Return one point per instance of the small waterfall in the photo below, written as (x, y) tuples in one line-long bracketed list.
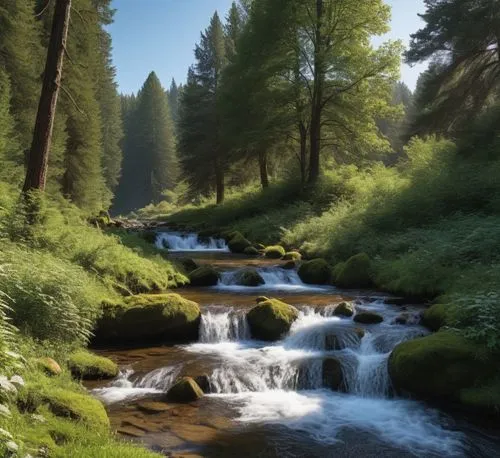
[(223, 327), (176, 241), (159, 379)]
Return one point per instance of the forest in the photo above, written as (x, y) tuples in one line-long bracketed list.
[(292, 139)]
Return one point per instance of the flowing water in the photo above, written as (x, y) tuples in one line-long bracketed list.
[(270, 399)]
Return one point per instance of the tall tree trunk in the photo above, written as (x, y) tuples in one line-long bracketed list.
[(219, 183), (303, 153), (317, 99), (264, 179), (36, 172)]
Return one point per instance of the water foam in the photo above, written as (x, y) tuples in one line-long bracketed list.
[(176, 241)]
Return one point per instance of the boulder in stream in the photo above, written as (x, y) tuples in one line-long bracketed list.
[(238, 243), (435, 316), (251, 251), (249, 277), (187, 264), (292, 256), (448, 366), (274, 252), (147, 318), (333, 377), (289, 265), (317, 272), (366, 317), (184, 390), (271, 319), (344, 309), (204, 276), (203, 382), (354, 273)]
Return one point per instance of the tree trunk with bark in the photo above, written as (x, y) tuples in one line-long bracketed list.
[(36, 172), (264, 178), (219, 184), (317, 98)]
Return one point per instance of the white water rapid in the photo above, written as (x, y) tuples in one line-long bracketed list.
[(177, 241)]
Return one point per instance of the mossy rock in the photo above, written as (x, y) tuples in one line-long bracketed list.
[(271, 319), (203, 381), (49, 366), (249, 277), (333, 376), (187, 264), (204, 276), (184, 390), (261, 299), (251, 251), (88, 366), (344, 309), (289, 265), (354, 273), (447, 366), (274, 252), (67, 404), (435, 316), (147, 318), (366, 317), (292, 256), (238, 243), (315, 272)]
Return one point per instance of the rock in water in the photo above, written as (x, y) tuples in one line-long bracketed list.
[(238, 243), (184, 390), (316, 272), (354, 273), (274, 252), (344, 309), (249, 277), (149, 318), (271, 319), (204, 276), (366, 317), (332, 374)]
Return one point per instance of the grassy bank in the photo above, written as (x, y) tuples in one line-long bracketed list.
[(56, 276), (430, 225)]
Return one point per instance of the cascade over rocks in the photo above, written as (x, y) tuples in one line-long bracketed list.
[(204, 276), (447, 366), (333, 377), (271, 319), (149, 318), (317, 272), (184, 390)]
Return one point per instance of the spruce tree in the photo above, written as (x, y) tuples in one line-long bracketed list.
[(173, 101), (10, 169)]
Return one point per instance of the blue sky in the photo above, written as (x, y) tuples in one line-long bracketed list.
[(160, 35)]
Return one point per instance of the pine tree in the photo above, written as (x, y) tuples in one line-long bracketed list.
[(173, 101), (10, 169), (201, 144)]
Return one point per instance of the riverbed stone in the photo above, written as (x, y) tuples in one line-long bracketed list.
[(271, 319), (366, 317), (184, 390), (333, 377), (354, 273), (204, 276), (153, 407), (238, 243), (292, 256), (249, 277), (203, 382), (89, 366), (317, 271), (345, 309), (274, 252), (448, 366), (147, 318), (435, 317)]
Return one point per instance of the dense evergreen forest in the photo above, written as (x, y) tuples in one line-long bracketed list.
[(292, 133)]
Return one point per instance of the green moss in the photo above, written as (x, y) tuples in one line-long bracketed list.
[(354, 273), (485, 398), (86, 365), (292, 256), (274, 252), (444, 365), (435, 316), (238, 243), (271, 319), (204, 276), (49, 366), (316, 271), (149, 317), (344, 309), (249, 277), (184, 390)]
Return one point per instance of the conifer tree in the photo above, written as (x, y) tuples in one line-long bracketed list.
[(10, 169), (173, 101)]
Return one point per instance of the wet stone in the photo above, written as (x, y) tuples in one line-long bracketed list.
[(152, 407), (131, 431)]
